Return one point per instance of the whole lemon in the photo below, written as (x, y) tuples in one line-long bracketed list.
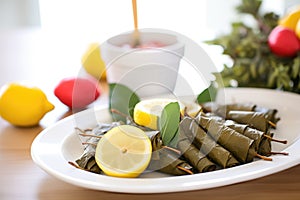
[(93, 63), (298, 29), (291, 18), (23, 106)]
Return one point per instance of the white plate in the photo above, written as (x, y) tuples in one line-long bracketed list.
[(58, 144)]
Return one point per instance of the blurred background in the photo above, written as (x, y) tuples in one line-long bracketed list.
[(39, 38), (193, 18)]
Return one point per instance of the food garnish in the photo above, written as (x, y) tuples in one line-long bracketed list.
[(124, 151)]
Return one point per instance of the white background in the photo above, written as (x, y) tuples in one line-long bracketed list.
[(49, 37), (100, 19)]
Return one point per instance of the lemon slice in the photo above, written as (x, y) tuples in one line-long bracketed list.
[(147, 112), (124, 151)]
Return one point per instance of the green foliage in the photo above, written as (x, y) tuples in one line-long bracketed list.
[(254, 65), (249, 6)]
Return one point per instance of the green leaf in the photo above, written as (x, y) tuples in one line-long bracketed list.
[(253, 70), (122, 99), (272, 78), (169, 124), (296, 67), (250, 7), (270, 20), (209, 94)]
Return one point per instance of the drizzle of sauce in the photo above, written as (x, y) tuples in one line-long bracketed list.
[(135, 17), (136, 35)]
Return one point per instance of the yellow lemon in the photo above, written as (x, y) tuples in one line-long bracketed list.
[(93, 63), (23, 106), (298, 29), (291, 19), (124, 151), (147, 112)]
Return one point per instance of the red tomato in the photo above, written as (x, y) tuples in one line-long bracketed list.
[(283, 42), (77, 92)]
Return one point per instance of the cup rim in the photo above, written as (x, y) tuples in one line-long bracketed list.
[(170, 47)]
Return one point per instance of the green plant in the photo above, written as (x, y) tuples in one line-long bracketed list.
[(254, 65)]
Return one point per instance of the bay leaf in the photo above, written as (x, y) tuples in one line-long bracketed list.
[(122, 99), (169, 123), (207, 95)]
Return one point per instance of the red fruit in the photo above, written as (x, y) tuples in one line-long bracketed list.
[(77, 92), (283, 42)]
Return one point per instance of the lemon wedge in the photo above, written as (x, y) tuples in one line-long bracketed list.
[(124, 151), (147, 112)]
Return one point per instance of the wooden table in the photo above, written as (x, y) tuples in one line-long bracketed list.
[(20, 178)]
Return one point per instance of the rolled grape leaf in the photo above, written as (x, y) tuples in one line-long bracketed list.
[(262, 140), (157, 144), (270, 114), (193, 155), (206, 144), (122, 99), (251, 133), (222, 110), (165, 160), (169, 163), (255, 120), (242, 147), (87, 161), (265, 146)]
